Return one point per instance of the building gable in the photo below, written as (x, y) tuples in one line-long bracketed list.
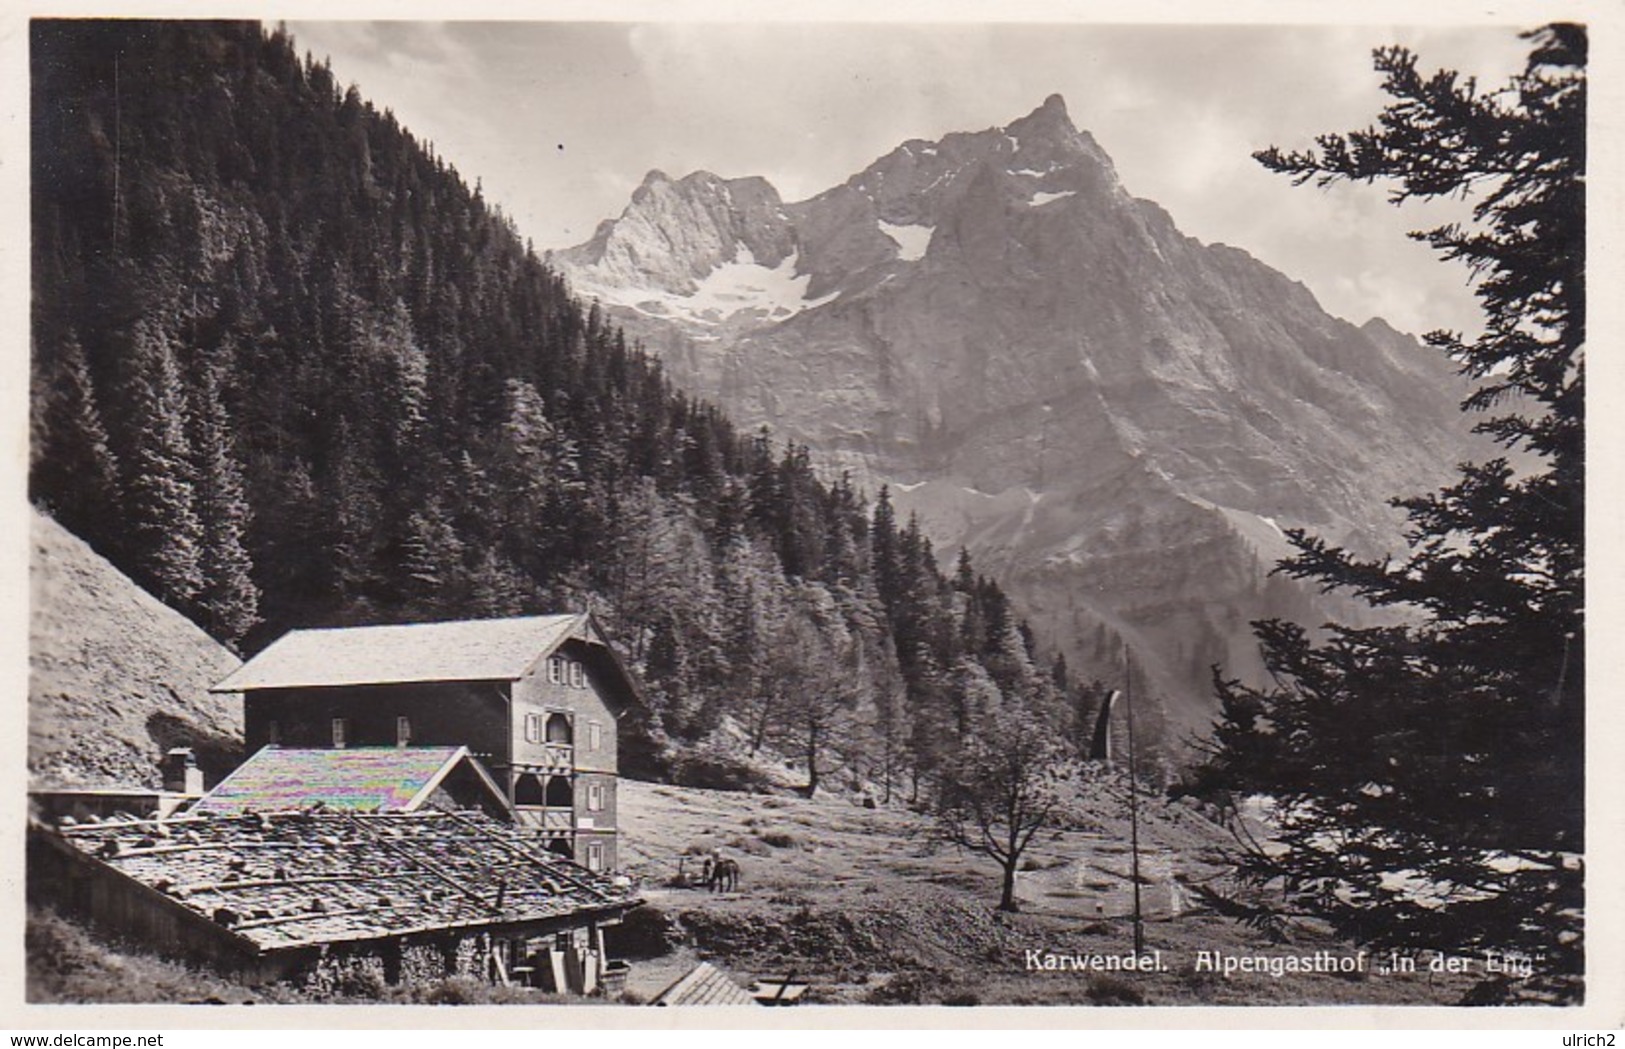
[(363, 779)]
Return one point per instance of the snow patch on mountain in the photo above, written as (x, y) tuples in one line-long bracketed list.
[(732, 288), (1039, 199), (911, 241)]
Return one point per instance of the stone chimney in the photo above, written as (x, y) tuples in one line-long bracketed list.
[(181, 774)]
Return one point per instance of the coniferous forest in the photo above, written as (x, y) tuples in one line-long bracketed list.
[(289, 369)]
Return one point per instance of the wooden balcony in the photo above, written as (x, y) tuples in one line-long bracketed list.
[(553, 759), (549, 818)]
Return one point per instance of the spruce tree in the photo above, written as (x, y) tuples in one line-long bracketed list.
[(228, 603), (165, 530), (1426, 777), (75, 472)]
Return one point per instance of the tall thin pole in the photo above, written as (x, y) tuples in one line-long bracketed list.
[(1133, 807), (118, 149)]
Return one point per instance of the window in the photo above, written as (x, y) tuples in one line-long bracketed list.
[(595, 857), (578, 675), (555, 669), (273, 733), (403, 731), (595, 735), (595, 797), (341, 732), (533, 728)]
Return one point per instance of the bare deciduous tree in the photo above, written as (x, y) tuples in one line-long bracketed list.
[(1001, 787)]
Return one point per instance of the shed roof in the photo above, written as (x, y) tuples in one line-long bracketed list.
[(361, 779), (298, 879), (704, 984), (460, 650)]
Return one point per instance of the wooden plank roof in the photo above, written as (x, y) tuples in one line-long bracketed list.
[(298, 879), (358, 779), (461, 650), (704, 984)]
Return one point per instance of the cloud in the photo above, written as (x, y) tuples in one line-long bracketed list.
[(1180, 109)]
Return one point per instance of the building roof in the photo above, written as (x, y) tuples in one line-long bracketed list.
[(299, 879), (462, 650), (704, 984), (360, 779)]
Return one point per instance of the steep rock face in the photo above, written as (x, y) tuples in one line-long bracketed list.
[(1117, 419)]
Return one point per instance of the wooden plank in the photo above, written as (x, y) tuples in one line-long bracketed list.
[(111, 824), (555, 963), (306, 916), (502, 970), (202, 846), (222, 887)]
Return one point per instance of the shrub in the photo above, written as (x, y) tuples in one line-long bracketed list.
[(715, 771), (1114, 990), (645, 932), (748, 846), (905, 988)]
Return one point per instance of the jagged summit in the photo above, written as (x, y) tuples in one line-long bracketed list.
[(1050, 118), (674, 234)]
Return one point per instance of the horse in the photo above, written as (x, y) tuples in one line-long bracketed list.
[(725, 876)]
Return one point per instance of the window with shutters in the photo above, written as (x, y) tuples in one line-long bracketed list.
[(595, 736), (533, 728), (341, 732), (555, 669), (403, 731), (578, 675), (595, 857)]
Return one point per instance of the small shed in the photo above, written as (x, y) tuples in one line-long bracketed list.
[(705, 984)]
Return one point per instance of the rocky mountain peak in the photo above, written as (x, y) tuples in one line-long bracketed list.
[(1118, 420), (674, 234), (1049, 120)]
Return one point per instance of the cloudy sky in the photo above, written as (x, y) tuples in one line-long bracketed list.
[(560, 121)]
